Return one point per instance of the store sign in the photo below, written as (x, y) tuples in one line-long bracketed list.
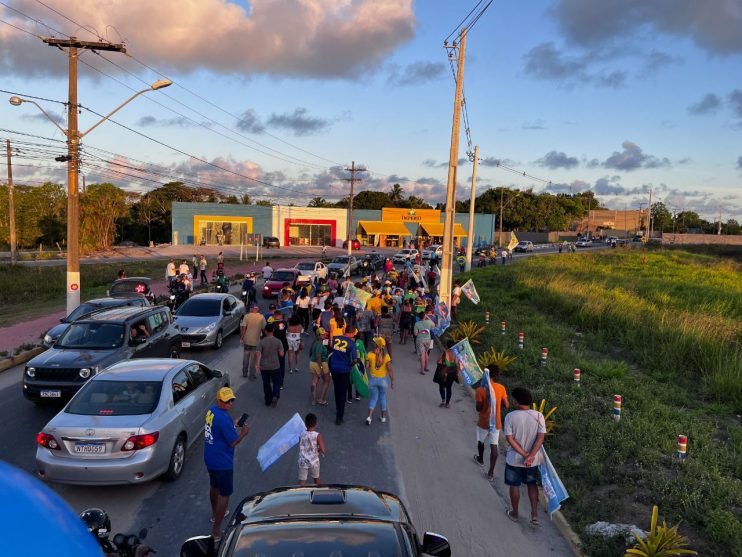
[(410, 215)]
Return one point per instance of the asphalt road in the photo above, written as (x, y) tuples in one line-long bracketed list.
[(423, 454)]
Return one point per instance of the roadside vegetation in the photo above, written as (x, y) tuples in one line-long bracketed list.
[(663, 329)]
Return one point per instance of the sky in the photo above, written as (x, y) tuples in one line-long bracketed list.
[(275, 98)]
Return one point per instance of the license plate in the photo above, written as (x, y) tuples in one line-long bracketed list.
[(51, 394), (185, 344), (90, 448)]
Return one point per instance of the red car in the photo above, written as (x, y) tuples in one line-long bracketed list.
[(354, 244), (273, 285)]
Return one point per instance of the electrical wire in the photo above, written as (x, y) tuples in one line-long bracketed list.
[(457, 28), (21, 29)]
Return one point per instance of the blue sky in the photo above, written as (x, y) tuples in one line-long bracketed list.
[(613, 96)]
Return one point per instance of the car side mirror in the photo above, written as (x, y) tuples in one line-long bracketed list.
[(135, 341), (200, 546), (217, 373), (435, 544)]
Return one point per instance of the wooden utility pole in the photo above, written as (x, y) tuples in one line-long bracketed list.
[(11, 205), (352, 181), (73, 161), (470, 243), (499, 236), (718, 233), (444, 291), (649, 214)]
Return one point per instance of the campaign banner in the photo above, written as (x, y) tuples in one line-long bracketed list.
[(421, 275), (513, 242), (470, 369), (470, 291), (444, 319), (356, 297), (554, 489), (281, 442)]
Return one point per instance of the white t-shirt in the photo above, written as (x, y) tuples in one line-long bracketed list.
[(308, 449), (524, 426), (303, 302), (456, 296), (267, 272)]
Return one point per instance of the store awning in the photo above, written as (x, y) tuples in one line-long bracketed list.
[(386, 228), (436, 229)]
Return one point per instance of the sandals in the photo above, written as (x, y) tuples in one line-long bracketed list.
[(511, 516), (322, 402), (534, 522)]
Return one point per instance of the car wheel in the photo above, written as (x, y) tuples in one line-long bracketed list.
[(174, 352), (177, 460), (219, 339)]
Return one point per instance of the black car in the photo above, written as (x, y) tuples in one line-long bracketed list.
[(271, 242), (327, 520), (132, 287), (92, 344)]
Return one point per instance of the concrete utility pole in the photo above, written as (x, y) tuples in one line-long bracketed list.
[(499, 236), (11, 206), (470, 242), (444, 292), (73, 161), (352, 181), (649, 214), (718, 233)]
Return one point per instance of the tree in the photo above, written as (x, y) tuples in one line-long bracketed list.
[(318, 202), (100, 206), (264, 203), (661, 217), (396, 193), (732, 227), (370, 199), (246, 199)]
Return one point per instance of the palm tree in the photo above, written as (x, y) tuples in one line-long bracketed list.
[(317, 202), (396, 193)]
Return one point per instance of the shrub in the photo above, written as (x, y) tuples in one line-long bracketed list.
[(660, 541), (466, 329), (495, 360)]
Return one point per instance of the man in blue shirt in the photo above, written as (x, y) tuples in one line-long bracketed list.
[(342, 359), (220, 439)]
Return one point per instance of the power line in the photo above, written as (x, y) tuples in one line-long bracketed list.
[(458, 26)]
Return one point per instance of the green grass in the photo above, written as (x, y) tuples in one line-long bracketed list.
[(663, 330)]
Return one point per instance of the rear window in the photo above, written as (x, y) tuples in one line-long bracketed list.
[(115, 398), (200, 308), (305, 266), (282, 276), (82, 309), (129, 287)]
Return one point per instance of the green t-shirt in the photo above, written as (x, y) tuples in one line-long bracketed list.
[(422, 329), (318, 349)]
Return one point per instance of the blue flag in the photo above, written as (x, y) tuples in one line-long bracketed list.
[(554, 489), (281, 442)]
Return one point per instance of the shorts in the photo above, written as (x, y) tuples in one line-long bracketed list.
[(222, 480), (304, 472), (516, 475), (294, 344), (421, 345), (488, 437), (315, 368)]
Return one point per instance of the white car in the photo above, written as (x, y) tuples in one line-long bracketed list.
[(436, 249), (308, 270), (584, 243), (405, 255)]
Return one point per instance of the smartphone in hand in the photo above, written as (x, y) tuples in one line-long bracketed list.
[(242, 420)]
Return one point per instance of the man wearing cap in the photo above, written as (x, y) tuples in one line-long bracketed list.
[(220, 439), (268, 364), (252, 326)]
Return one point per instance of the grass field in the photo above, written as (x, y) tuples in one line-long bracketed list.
[(664, 330)]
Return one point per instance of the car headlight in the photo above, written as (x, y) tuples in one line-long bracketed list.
[(48, 339), (208, 328), (31, 371)]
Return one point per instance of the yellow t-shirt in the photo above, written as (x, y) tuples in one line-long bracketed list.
[(377, 371), (374, 305), (334, 329)]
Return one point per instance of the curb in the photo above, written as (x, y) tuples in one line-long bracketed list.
[(20, 358)]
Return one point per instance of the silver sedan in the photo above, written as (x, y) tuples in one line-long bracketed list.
[(129, 424), (207, 319)]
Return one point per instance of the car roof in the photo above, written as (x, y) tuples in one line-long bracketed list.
[(287, 269), (209, 296), (150, 369), (324, 501), (111, 301), (119, 313)]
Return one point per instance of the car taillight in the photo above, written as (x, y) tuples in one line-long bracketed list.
[(136, 442), (48, 441)]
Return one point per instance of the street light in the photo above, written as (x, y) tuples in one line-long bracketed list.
[(73, 201)]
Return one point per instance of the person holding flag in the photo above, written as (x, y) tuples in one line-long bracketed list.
[(489, 423)]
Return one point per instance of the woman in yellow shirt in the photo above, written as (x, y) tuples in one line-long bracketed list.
[(380, 377), (337, 325)]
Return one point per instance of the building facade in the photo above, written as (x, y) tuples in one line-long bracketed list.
[(226, 224)]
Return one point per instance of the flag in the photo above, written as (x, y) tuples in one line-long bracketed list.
[(359, 378), (444, 319), (470, 291), (356, 297), (281, 442), (554, 489), (469, 367), (492, 400), (513, 242)]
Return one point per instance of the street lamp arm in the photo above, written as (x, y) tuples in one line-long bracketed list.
[(16, 101)]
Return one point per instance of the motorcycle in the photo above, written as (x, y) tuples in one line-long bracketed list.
[(365, 267), (123, 545), (249, 295), (178, 293)]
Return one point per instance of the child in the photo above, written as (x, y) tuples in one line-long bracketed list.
[(311, 445)]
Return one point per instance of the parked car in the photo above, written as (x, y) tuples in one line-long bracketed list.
[(436, 249), (355, 244), (128, 244), (271, 242), (310, 269), (132, 287), (129, 424), (405, 255), (584, 243), (320, 520), (272, 287), (377, 260), (343, 265), (88, 308), (96, 342), (524, 245), (207, 319)]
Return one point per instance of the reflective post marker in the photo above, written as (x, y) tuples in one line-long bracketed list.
[(617, 400)]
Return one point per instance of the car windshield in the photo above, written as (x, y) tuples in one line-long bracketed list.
[(349, 539), (282, 276), (200, 308), (129, 287), (115, 398), (405, 251), (82, 309), (305, 266), (342, 260), (92, 336)]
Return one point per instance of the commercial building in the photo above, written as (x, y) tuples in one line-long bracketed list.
[(221, 223)]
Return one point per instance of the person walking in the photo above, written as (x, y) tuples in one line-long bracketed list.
[(293, 338), (489, 422), (267, 364), (524, 430), (304, 308), (202, 267), (311, 445), (251, 328), (342, 359), (267, 271), (455, 299), (220, 439), (451, 364), (194, 265), (422, 341), (365, 322), (170, 272), (318, 365), (279, 331), (380, 377)]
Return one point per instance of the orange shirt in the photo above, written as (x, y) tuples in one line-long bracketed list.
[(484, 414)]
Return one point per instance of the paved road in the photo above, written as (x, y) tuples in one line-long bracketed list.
[(423, 453)]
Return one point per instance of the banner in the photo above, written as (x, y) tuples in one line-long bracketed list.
[(470, 369), (554, 489), (281, 442), (356, 297), (470, 291), (513, 242), (421, 275), (444, 319)]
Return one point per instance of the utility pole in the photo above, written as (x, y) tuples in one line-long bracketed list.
[(352, 181), (649, 213), (470, 242), (444, 292), (11, 205), (718, 233), (73, 161)]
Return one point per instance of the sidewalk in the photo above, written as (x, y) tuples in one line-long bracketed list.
[(446, 490)]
